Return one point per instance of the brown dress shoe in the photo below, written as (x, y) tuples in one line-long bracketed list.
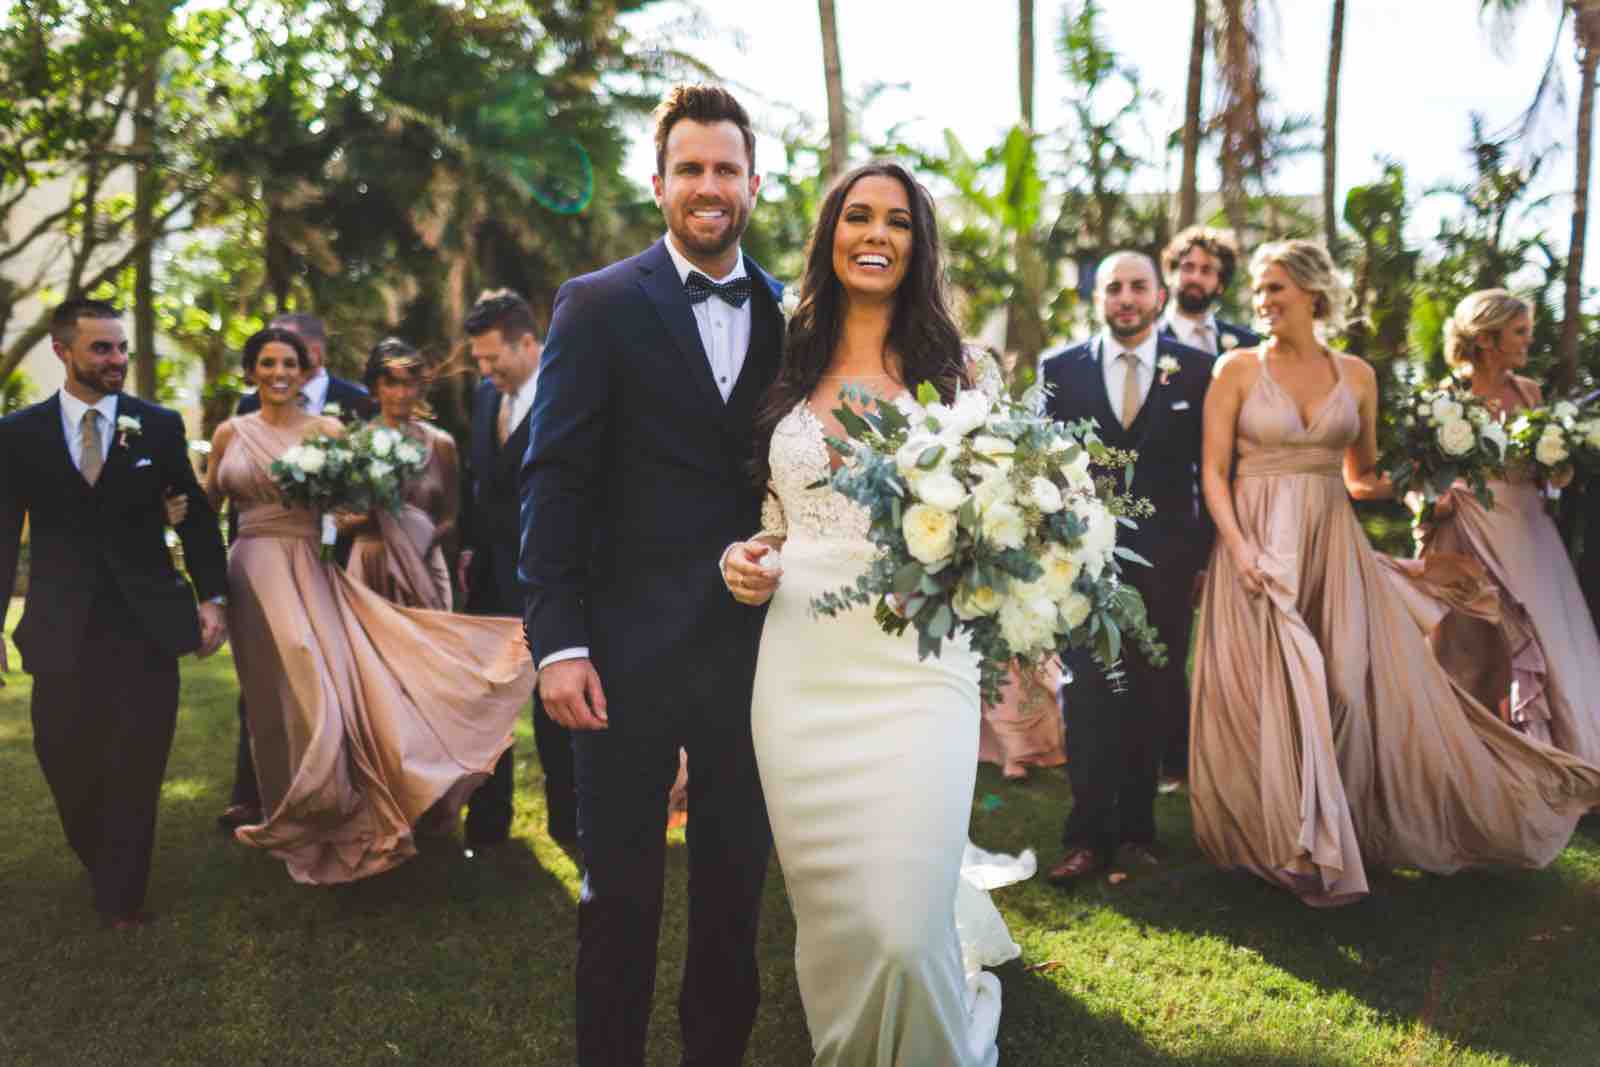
[(1074, 866), (1143, 855)]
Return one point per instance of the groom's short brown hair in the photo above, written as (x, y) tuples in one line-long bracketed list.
[(701, 103)]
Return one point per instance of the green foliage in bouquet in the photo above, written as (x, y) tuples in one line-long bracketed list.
[(364, 470), (1443, 434), (989, 523)]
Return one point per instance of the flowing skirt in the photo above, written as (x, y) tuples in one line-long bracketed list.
[(363, 715), (868, 760), (1541, 664), (401, 563), (1326, 737)]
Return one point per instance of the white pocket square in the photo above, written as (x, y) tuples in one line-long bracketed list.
[(1180, 405), (146, 462)]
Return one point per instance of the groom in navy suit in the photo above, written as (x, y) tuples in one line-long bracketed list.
[(1145, 392), (637, 477)]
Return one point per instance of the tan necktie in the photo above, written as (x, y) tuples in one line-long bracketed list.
[(503, 426), (89, 434), (1205, 338), (1132, 395)]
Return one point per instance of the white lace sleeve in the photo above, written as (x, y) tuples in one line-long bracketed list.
[(984, 371), (774, 523)]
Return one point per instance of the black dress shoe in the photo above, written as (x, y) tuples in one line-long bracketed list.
[(1144, 855), (237, 815)]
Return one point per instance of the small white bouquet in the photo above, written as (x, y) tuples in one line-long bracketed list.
[(1555, 438), (364, 470), (1446, 433), (989, 522)]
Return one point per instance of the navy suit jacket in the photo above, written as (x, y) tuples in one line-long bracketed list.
[(86, 538), (636, 478), (491, 525), (1243, 338), (1166, 434)]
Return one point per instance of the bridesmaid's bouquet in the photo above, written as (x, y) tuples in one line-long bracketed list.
[(1446, 434), (990, 523), (1554, 436), (363, 470)]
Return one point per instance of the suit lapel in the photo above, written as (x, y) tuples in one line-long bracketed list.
[(53, 437), (660, 282), (1156, 403), (117, 450), (1094, 380)]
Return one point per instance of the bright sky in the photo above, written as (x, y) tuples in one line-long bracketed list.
[(1413, 71)]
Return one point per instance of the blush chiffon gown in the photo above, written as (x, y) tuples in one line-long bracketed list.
[(1326, 737), (363, 714)]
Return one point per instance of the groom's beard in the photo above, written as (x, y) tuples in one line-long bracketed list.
[(1193, 300), (738, 219)]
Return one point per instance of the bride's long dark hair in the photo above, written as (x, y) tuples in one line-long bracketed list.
[(922, 333)]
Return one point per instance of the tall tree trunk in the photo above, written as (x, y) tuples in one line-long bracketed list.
[(1239, 73), (1587, 27), (838, 120), (1025, 332), (1189, 184), (146, 190), (1330, 131), (1025, 60)]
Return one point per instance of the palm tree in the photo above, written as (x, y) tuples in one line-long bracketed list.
[(1330, 129), (1586, 28), (838, 121), (1025, 331), (1244, 135), (1188, 187)]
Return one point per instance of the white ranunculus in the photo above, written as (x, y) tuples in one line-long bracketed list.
[(1095, 549), (312, 459), (1456, 437), (1060, 571), (1043, 494), (1446, 410), (969, 412), (930, 532), (408, 453), (1551, 451), (939, 488), (1028, 618), (994, 489), (971, 601), (383, 442), (1495, 434), (1075, 609), (1003, 526)]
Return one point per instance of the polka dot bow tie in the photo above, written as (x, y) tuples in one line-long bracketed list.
[(698, 288)]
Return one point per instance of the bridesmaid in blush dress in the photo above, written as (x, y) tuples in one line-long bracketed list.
[(399, 556), (1540, 667), (1326, 736), (363, 714)]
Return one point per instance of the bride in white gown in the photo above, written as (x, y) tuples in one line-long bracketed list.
[(868, 755)]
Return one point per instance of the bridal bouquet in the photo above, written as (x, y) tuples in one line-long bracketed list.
[(1446, 434), (989, 523), (364, 470)]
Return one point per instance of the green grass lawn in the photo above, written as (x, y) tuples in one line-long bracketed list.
[(456, 961)]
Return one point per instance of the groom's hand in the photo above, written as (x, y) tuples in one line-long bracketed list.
[(213, 629), (572, 695)]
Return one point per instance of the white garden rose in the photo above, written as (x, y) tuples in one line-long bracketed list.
[(312, 459), (1565, 410), (408, 453), (1075, 609), (968, 413), (1095, 549), (930, 532), (1076, 472), (291, 457), (1043, 494), (1551, 451), (1456, 437), (939, 488), (1003, 526), (1028, 618), (1591, 433), (383, 442), (1446, 410), (378, 470), (972, 601), (994, 489), (1060, 571)]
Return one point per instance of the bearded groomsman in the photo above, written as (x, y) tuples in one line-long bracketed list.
[(1145, 392), (506, 346), (107, 615)]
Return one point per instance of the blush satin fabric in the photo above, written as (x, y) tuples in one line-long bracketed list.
[(1326, 736)]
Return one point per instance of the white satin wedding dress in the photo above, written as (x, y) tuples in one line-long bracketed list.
[(868, 758)]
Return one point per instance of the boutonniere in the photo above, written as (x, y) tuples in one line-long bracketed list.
[(333, 410), (789, 303), (1168, 367), (1229, 341), (127, 426)]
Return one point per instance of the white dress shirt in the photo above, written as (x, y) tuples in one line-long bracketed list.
[(1114, 367), (1194, 333), (72, 411), (521, 401), (315, 390), (724, 329)]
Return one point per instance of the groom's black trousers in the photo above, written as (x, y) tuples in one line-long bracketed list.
[(1115, 740), (102, 734), (623, 777)]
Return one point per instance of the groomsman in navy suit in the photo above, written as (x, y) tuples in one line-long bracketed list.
[(637, 478), (506, 347), (321, 393), (107, 615), (1199, 264), (1145, 392)]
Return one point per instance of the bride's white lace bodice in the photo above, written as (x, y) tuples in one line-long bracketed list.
[(799, 459)]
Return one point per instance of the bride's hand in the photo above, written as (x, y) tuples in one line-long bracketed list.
[(745, 573), (1247, 560)]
